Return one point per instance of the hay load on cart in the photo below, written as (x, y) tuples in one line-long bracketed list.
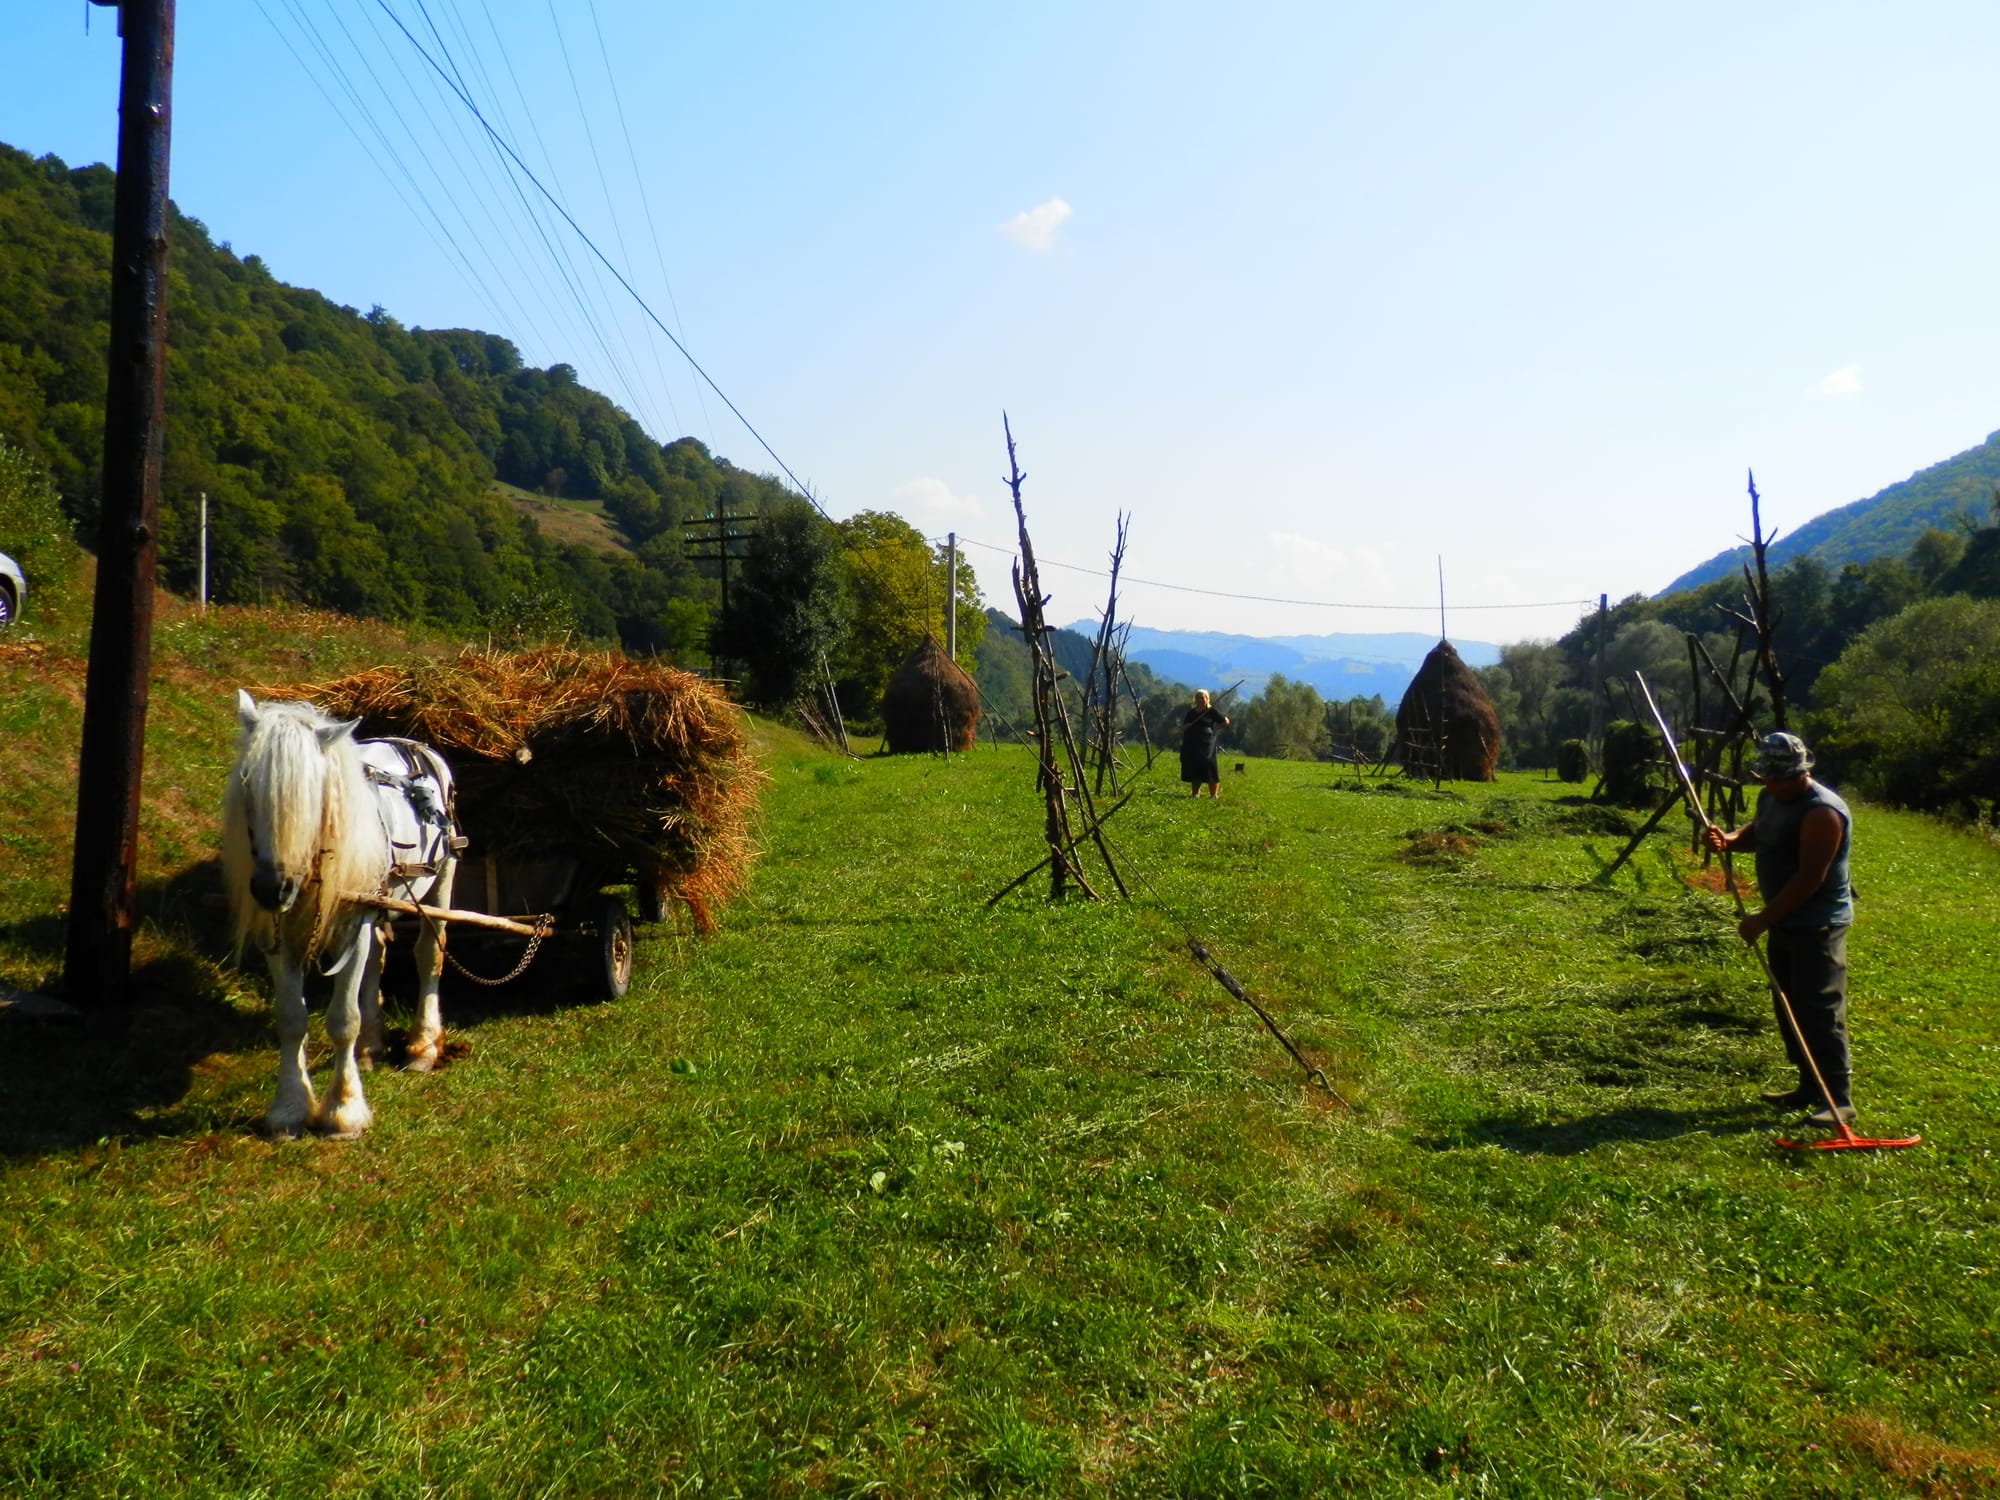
[(576, 771)]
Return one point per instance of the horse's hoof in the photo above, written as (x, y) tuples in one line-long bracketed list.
[(344, 1127), (273, 1130)]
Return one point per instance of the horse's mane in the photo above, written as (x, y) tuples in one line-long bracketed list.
[(313, 796)]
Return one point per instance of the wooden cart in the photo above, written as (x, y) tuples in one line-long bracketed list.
[(507, 905)]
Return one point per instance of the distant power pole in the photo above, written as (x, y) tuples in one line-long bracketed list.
[(204, 552), (1597, 679), (721, 532), (951, 595), (97, 965)]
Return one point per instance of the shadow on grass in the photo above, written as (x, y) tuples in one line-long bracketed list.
[(69, 1081), (1415, 791), (1587, 1132)]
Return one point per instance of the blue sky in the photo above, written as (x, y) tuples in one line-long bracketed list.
[(1317, 293)]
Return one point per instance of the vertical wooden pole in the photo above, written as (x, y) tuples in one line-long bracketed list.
[(203, 590), (103, 875), (1766, 615), (1047, 702), (951, 595), (1597, 681)]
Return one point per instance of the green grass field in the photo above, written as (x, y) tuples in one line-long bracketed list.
[(881, 1191)]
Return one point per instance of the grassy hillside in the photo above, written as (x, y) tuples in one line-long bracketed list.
[(880, 1190), (1883, 525), (348, 462), (567, 522)]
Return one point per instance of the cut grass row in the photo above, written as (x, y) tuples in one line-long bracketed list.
[(879, 1190)]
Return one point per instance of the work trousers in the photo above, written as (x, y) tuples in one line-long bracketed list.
[(1811, 968)]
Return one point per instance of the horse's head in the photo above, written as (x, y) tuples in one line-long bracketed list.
[(275, 812)]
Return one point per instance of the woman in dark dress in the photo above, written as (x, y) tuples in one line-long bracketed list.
[(1201, 732)]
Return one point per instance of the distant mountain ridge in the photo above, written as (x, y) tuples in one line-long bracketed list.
[(1336, 666), (1883, 525)]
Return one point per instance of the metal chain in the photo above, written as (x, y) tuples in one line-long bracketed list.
[(544, 925)]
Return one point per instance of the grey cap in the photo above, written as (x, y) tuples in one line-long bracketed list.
[(1780, 755)]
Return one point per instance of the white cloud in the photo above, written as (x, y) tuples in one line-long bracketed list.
[(1035, 230), (933, 497), (1846, 381), (1304, 566)]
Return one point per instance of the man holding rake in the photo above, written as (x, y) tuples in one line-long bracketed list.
[(1800, 834)]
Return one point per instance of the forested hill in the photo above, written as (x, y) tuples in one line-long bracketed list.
[(348, 461), (1884, 525)]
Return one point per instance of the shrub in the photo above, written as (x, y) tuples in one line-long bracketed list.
[(1627, 780), (1911, 711), (1573, 761), (1285, 721)]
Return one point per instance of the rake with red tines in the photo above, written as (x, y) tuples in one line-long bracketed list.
[(1845, 1139)]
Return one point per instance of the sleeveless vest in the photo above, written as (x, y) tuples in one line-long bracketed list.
[(1777, 841)]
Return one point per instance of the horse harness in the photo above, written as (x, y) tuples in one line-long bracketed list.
[(417, 806), (420, 777)]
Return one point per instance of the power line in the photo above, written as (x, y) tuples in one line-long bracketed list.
[(591, 245), (422, 210), (571, 278), (652, 231), (912, 609), (1188, 588)]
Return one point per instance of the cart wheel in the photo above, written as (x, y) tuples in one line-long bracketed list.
[(614, 945), (654, 902)]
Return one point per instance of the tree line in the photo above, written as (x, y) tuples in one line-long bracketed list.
[(1892, 666)]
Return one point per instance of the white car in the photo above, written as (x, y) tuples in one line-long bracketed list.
[(13, 591)]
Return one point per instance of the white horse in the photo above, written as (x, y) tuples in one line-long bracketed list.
[(311, 818)]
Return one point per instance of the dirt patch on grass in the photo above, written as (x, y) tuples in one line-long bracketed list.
[(1717, 883), (1439, 847), (1929, 1466), (33, 659)]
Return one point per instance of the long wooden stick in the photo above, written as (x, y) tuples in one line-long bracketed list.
[(1673, 801), (446, 914)]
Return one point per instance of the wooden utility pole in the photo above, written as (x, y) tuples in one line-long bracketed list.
[(1597, 681), (97, 964), (720, 555), (951, 595)]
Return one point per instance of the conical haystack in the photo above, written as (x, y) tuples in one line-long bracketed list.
[(930, 704), (1445, 725)]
